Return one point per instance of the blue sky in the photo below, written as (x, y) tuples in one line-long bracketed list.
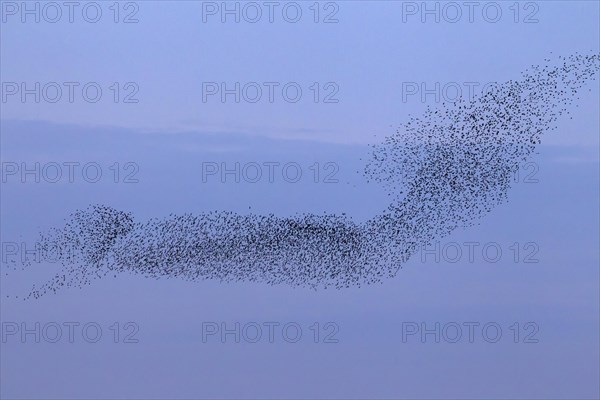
[(170, 133), (369, 53)]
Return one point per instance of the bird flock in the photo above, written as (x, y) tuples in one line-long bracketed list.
[(443, 170)]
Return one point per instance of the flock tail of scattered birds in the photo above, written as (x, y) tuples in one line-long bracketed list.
[(444, 170)]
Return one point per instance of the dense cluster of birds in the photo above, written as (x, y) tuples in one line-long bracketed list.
[(444, 170)]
